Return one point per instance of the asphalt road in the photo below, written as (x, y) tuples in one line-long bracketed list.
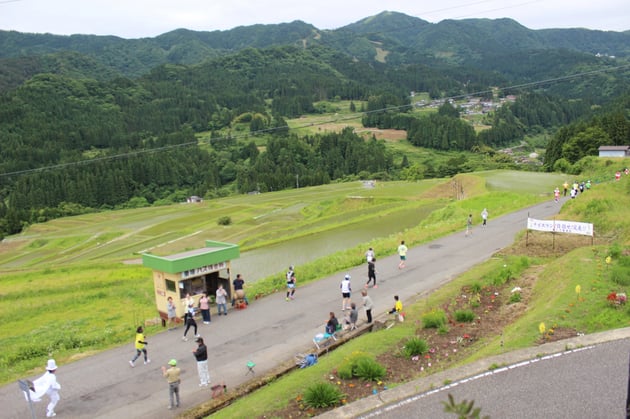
[(587, 382), (267, 333)]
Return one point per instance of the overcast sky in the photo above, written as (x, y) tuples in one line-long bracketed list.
[(144, 18)]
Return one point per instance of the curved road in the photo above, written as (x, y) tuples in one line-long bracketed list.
[(268, 333), (586, 382)]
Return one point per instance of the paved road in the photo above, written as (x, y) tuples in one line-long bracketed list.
[(588, 381), (269, 332)]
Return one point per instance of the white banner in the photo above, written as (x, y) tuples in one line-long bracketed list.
[(557, 226)]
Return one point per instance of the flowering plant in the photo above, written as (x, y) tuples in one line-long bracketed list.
[(617, 299)]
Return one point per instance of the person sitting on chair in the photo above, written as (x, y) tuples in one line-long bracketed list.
[(331, 325)]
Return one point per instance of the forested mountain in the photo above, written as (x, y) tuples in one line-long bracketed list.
[(389, 36), (90, 123)]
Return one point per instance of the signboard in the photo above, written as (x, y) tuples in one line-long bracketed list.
[(556, 226), (204, 270)]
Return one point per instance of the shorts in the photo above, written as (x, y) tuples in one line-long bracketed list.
[(345, 294), (290, 285), (403, 257)]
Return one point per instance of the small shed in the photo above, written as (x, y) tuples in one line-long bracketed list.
[(614, 151), (193, 272)]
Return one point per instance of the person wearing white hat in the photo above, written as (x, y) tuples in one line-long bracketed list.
[(47, 385)]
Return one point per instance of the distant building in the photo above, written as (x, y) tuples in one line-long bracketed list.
[(194, 199), (614, 151)]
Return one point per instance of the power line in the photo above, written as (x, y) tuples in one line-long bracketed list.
[(324, 122)]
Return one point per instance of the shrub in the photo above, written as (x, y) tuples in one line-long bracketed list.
[(369, 370), (476, 287), (348, 369), (615, 251), (515, 297), (620, 275), (433, 319), (464, 316), (226, 220), (416, 346), (501, 276), (322, 395), (443, 329)]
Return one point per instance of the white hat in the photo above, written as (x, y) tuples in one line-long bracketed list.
[(52, 365), (347, 276)]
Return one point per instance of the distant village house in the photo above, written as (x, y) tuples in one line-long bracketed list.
[(194, 199), (614, 151)]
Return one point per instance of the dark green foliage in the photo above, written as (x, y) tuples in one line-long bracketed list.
[(433, 319), (224, 221), (442, 133), (368, 369), (501, 276), (118, 120), (361, 365), (415, 346), (615, 252), (463, 410), (322, 395), (464, 316), (515, 297), (620, 275)]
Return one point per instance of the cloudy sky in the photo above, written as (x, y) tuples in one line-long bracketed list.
[(144, 18)]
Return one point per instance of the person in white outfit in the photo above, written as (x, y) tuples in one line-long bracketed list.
[(346, 289), (47, 385)]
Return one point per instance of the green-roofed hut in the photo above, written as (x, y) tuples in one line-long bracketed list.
[(195, 272)]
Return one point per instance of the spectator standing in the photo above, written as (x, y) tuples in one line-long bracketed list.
[(201, 355), (239, 284), (369, 255), (189, 304), (221, 300), (484, 217), (171, 313), (204, 306), (402, 254), (368, 305), (346, 290), (354, 316), (172, 378), (140, 344)]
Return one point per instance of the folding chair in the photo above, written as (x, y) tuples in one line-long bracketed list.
[(250, 368), (322, 339)]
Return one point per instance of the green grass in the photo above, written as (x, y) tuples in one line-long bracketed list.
[(554, 300), (68, 276)]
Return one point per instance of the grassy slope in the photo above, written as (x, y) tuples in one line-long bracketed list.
[(52, 267), (554, 300)]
